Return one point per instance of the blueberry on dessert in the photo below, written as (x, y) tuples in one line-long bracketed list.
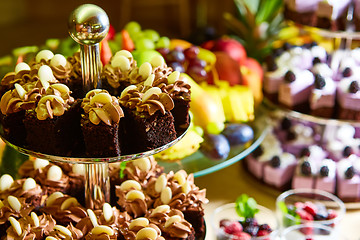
[(348, 182), (326, 179), (290, 76), (348, 98), (347, 72)]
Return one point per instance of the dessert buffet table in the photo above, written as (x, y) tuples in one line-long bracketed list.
[(226, 185)]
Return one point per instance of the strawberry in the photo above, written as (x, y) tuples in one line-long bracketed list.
[(299, 205), (242, 236), (310, 208), (262, 233), (233, 227), (304, 215)]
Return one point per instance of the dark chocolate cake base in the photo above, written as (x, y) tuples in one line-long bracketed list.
[(14, 128), (181, 114), (143, 132), (324, 112)]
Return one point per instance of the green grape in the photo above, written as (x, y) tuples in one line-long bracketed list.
[(163, 42), (132, 27), (144, 44), (151, 34), (215, 127)]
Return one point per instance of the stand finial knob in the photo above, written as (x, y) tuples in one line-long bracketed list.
[(88, 24)]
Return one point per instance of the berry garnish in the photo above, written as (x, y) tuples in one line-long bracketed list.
[(258, 151), (319, 81), (242, 236), (233, 227), (313, 44), (305, 152), (324, 171), (354, 87), (265, 227), (224, 222), (347, 151), (290, 76), (275, 162), (304, 215), (285, 123), (306, 168), (347, 72), (290, 136), (316, 60), (310, 208), (350, 172), (252, 230), (287, 46)]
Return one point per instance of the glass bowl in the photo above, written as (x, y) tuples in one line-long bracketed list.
[(228, 212), (312, 231), (290, 197)]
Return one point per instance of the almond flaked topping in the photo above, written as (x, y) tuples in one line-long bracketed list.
[(46, 75), (5, 182), (35, 219), (29, 184), (186, 187), (135, 194), (21, 67), (150, 80), (63, 230), (92, 217), (16, 225), (108, 212), (40, 163), (180, 177), (93, 92), (54, 173), (129, 185), (124, 53), (121, 62), (58, 60), (14, 203), (78, 169), (20, 90), (166, 195), (102, 229), (60, 87), (143, 164), (173, 77), (150, 92), (127, 89), (145, 70), (44, 54), (146, 233), (139, 222), (172, 219), (157, 61), (161, 209), (69, 203), (160, 183), (50, 238), (102, 98), (50, 200)]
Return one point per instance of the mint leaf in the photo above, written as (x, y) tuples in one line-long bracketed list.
[(122, 168), (245, 206)]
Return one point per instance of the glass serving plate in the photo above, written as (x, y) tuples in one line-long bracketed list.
[(200, 165)]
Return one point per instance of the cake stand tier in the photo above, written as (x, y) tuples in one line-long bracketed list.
[(97, 181)]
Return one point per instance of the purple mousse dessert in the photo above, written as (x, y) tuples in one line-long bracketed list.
[(348, 98), (295, 91), (348, 182), (304, 173), (302, 12), (331, 14), (322, 99), (326, 179)]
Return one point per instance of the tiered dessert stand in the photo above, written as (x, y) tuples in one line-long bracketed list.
[(88, 25)]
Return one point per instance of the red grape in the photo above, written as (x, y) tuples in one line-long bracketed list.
[(163, 51), (191, 52), (176, 66), (197, 73), (175, 56)]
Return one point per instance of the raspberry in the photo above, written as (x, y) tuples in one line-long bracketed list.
[(332, 214), (299, 205), (262, 233), (224, 222), (310, 208), (233, 227), (242, 236), (304, 215)]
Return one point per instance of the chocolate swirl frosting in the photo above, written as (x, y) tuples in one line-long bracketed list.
[(101, 106), (75, 233), (7, 211), (134, 98)]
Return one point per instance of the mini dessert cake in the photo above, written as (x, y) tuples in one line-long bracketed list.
[(147, 111), (279, 171), (326, 179), (332, 14), (322, 99), (348, 99), (303, 12), (305, 173), (295, 91), (348, 182), (256, 161), (100, 124)]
